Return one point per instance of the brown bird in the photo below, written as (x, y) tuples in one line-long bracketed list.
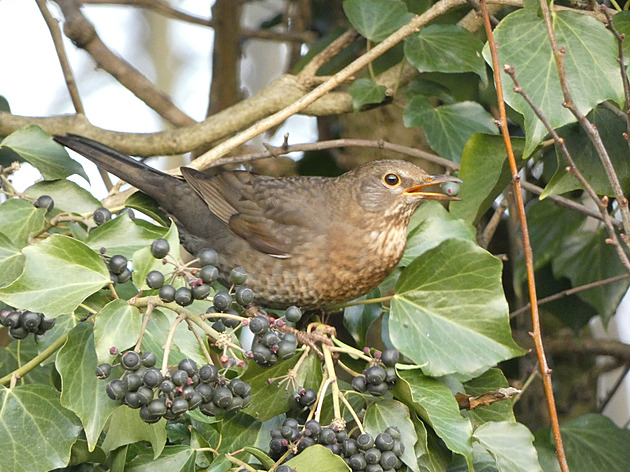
[(313, 242)]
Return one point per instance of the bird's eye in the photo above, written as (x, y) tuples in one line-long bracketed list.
[(391, 179)]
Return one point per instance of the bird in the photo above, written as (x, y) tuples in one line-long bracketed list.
[(311, 242)]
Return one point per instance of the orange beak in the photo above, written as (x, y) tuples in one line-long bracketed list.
[(432, 181)]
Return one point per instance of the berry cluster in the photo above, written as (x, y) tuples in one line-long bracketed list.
[(304, 397), (170, 396), (365, 453), (376, 379), (270, 344), (21, 323), (119, 271)]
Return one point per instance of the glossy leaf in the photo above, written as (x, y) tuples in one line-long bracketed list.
[(325, 460), (126, 427), (590, 62), (449, 314), (81, 391), (489, 381), (383, 414), (11, 260), (358, 319), (376, 19), (436, 405), (60, 273), (37, 431), (38, 149), (510, 444), (142, 202), (118, 324), (173, 458), (19, 219), (28, 349), (486, 173), (366, 92), (445, 48), (67, 195), (448, 127)]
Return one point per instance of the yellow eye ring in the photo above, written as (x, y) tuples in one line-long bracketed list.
[(391, 180)]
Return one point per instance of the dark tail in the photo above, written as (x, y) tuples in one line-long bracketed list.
[(151, 181)]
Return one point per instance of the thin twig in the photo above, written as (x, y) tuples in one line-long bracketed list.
[(527, 249), (614, 388), (169, 342), (330, 51), (491, 227), (145, 323)]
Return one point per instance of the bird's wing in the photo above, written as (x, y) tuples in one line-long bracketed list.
[(264, 211)]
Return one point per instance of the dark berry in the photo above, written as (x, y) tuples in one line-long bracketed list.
[(130, 360), (12, 320), (47, 323), (195, 400), (183, 296), (240, 388), (372, 456), (180, 377), (377, 389), (117, 264), (18, 332), (388, 460), (148, 359), (167, 293), (209, 409), (270, 339), (359, 383), (375, 468), (160, 248), (390, 376), (327, 436), (152, 377), (157, 407), (398, 448), (238, 276), (155, 279), (188, 365), (393, 431), (205, 391), (208, 257), (262, 354), (365, 441), (219, 326), (101, 215), (208, 274), (103, 371), (259, 325), (357, 462), (349, 447), (133, 382), (293, 314), (199, 292), (4, 314), (390, 357), (286, 350), (384, 442), (208, 373), (308, 397), (222, 301), (375, 374), (167, 386), (30, 321), (116, 390), (244, 296), (45, 201), (305, 441), (147, 417), (313, 427), (222, 397), (231, 322), (179, 406), (145, 395), (129, 212), (124, 276)]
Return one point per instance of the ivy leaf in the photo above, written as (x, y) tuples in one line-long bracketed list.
[(489, 381), (118, 324), (60, 273), (126, 427), (380, 415), (510, 444), (324, 458), (445, 48), (38, 149), (376, 19), (358, 318), (173, 458), (19, 219), (436, 405), (147, 205), (11, 260), (366, 92), (448, 127), (37, 431), (67, 195), (82, 392), (449, 313), (486, 172), (590, 61)]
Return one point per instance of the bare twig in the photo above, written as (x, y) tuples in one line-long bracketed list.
[(491, 227), (310, 70), (527, 249)]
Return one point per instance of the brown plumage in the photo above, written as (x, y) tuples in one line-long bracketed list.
[(314, 242)]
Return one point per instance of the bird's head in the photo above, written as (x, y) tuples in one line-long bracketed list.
[(391, 186)]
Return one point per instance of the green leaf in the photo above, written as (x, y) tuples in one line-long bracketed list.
[(38, 149), (445, 48), (144, 262), (621, 22), (26, 349), (173, 459), (126, 427), (449, 127), (118, 324), (124, 236), (81, 391), (436, 405), (147, 205), (489, 381), (358, 319), (430, 225), (237, 431), (320, 456), (449, 313), (264, 459), (60, 273), (486, 172), (431, 452), (510, 444), (366, 92), (11, 260), (590, 62), (585, 257), (380, 415), (37, 432), (611, 129), (376, 19), (67, 195), (19, 219)]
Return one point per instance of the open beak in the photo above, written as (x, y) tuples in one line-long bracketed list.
[(432, 181)]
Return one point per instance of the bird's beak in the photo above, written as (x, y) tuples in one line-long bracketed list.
[(430, 182)]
